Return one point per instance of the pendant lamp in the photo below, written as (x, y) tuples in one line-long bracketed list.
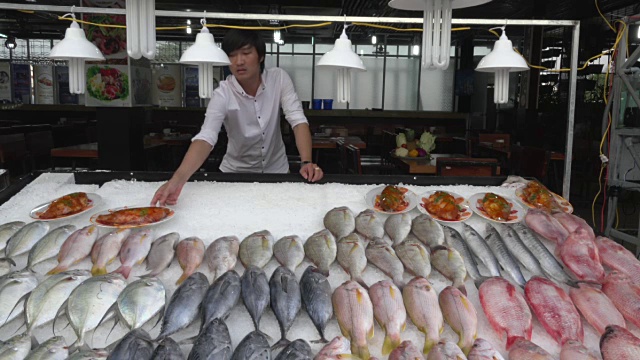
[(436, 37), (502, 60), (141, 28), (345, 60), (206, 54), (76, 49)]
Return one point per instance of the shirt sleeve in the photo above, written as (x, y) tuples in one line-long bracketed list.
[(213, 118), (290, 103)]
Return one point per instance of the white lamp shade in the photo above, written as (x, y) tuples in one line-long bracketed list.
[(502, 57), (419, 5), (75, 46), (204, 50), (342, 56)]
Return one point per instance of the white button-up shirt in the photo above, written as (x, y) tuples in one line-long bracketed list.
[(253, 123)]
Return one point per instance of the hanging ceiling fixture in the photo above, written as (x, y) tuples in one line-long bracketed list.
[(141, 28), (76, 48), (10, 43), (436, 37), (206, 54), (502, 60), (344, 60)]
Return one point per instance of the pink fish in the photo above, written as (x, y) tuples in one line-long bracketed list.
[(106, 249), (554, 309), (624, 294), (134, 250), (580, 254), (338, 348), (618, 343), (574, 350), (596, 307), (190, 252), (389, 312), (616, 257), (506, 309), (421, 301), (483, 350), (406, 351), (460, 314), (572, 223), (354, 311), (524, 349), (446, 350), (546, 226), (77, 247)]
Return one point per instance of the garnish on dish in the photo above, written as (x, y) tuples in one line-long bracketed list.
[(392, 199), (496, 207), (66, 205), (444, 206), (134, 216)]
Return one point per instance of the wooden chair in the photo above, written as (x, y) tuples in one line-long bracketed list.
[(342, 156), (466, 166), (354, 163), (387, 166)]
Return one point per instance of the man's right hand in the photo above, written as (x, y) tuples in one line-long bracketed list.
[(168, 193)]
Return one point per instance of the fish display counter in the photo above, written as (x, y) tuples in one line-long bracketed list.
[(234, 256)]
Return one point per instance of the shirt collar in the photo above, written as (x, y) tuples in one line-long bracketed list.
[(235, 85)]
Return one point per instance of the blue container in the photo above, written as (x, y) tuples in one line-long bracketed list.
[(327, 104), (316, 104)]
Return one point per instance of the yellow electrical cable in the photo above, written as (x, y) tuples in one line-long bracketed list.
[(593, 204), (605, 19), (92, 23), (270, 27)]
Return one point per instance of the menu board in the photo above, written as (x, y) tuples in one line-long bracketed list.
[(21, 79), (166, 85), (107, 85), (141, 84), (5, 82), (62, 86), (43, 80)]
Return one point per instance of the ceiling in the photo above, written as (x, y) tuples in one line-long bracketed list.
[(46, 25)]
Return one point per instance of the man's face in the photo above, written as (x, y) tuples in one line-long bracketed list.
[(245, 63)]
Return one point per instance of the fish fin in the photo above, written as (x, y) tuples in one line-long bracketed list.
[(428, 345), (479, 281), (10, 260), (106, 314), (269, 338), (34, 342), (21, 325), (360, 281), (62, 309), (98, 270), (58, 269), (404, 326), (182, 278), (360, 351), (460, 286), (280, 344), (324, 272), (511, 340), (124, 270), (140, 262), (465, 349), (24, 297), (320, 341), (79, 347), (146, 276), (160, 316), (188, 341), (370, 333), (389, 344)]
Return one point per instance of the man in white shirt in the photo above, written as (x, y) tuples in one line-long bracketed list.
[(248, 104)]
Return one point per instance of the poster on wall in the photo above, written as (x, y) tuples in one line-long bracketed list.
[(21, 76), (141, 84), (191, 91), (5, 82), (166, 86), (43, 80), (62, 86), (107, 85), (112, 42)]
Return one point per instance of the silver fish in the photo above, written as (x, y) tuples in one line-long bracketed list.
[(398, 226), (88, 303), (25, 238), (321, 249), (351, 256), (380, 254), (106, 249), (134, 250), (213, 342), (414, 256), (167, 349), (255, 293), (480, 249), (454, 240), (285, 301), (450, 264), (340, 221), (92, 354), (369, 224), (7, 230), (184, 305), (136, 345), (427, 230), (139, 302), (253, 346), (49, 246), (296, 350), (497, 245), (13, 287), (5, 266), (221, 297), (52, 349), (222, 255), (289, 251), (43, 302), (549, 263), (161, 254), (316, 296), (75, 248), (17, 347), (518, 249), (256, 249)]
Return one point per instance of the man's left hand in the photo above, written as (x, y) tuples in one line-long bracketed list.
[(311, 172)]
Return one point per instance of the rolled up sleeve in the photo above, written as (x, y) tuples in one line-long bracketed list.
[(213, 118), (290, 103)]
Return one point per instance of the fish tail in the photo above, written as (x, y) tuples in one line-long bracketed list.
[(428, 345), (511, 340), (360, 281), (460, 286), (124, 270), (361, 351), (183, 277), (322, 340), (280, 344), (58, 269), (399, 282), (98, 270), (465, 347), (10, 260), (324, 272), (390, 343)]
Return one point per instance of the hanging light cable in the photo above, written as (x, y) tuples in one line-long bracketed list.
[(76, 49), (141, 28), (436, 36), (502, 60), (344, 60), (206, 54)]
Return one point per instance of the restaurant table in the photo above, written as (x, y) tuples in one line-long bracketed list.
[(85, 151), (421, 166)]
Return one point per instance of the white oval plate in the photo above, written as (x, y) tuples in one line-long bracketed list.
[(465, 214), (409, 196), (94, 199), (516, 209), (107, 212), (564, 203)]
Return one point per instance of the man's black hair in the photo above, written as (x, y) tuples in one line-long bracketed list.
[(236, 39)]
